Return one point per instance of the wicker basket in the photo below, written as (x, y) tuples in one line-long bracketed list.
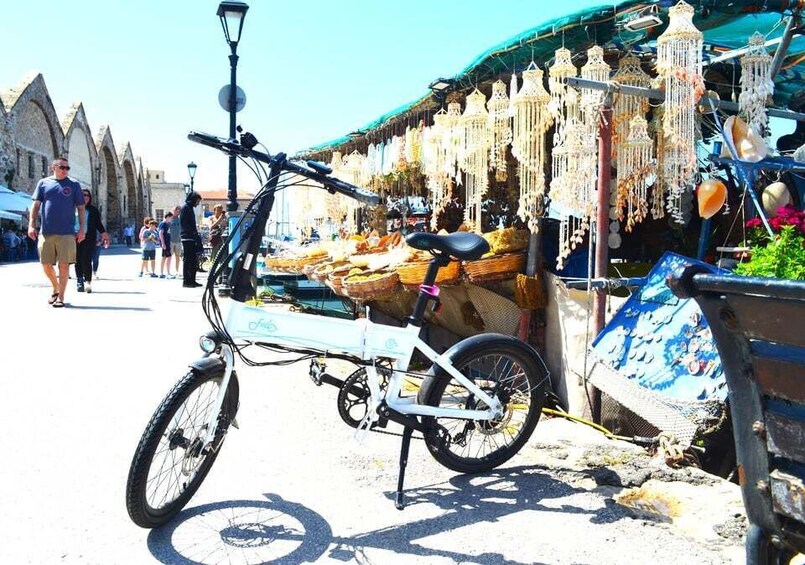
[(335, 279), (373, 289), (494, 268), (308, 268), (413, 274), (323, 269)]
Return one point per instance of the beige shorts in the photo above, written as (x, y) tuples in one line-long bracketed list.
[(176, 248), (55, 249)]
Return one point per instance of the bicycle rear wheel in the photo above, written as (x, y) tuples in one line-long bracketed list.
[(171, 460), (502, 368)]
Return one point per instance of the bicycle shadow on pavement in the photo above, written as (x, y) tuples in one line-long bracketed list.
[(283, 532)]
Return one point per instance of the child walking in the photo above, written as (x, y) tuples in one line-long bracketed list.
[(149, 239)]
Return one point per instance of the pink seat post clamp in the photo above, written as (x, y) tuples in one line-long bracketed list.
[(430, 290)]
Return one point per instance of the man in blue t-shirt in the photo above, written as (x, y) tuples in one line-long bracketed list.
[(57, 197)]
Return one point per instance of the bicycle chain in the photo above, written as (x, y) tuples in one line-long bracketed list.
[(384, 432)]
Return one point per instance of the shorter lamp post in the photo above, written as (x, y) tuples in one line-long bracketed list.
[(191, 170)]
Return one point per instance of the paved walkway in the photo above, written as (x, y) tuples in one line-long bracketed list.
[(292, 486)]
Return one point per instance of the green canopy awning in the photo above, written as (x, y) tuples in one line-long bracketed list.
[(726, 24)]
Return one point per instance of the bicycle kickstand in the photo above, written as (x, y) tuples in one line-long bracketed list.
[(406, 444)]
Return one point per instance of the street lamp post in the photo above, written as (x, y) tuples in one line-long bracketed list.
[(232, 14), (191, 170)]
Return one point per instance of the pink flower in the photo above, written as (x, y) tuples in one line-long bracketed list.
[(754, 223)]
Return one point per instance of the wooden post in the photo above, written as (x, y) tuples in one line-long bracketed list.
[(602, 230)]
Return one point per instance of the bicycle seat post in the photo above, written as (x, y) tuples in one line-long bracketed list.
[(427, 290)]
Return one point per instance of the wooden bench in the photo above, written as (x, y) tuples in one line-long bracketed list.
[(758, 325)]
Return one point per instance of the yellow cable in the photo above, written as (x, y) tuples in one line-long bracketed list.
[(602, 429)]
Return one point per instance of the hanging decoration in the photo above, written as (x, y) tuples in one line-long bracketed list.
[(474, 152), (500, 129), (756, 84), (594, 69), (636, 160), (434, 156), (452, 140), (658, 190), (679, 64), (531, 122), (627, 106), (564, 98), (576, 197)]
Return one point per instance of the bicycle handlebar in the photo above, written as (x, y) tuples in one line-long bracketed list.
[(316, 173)]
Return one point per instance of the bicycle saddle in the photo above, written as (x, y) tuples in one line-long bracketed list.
[(462, 245)]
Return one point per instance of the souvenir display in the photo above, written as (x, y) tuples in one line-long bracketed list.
[(679, 64), (500, 129), (756, 84), (475, 157), (531, 122)]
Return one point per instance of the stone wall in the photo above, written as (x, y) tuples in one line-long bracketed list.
[(32, 135)]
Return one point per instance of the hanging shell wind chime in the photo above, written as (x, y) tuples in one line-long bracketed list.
[(475, 161), (531, 122), (756, 84), (627, 106), (499, 128), (572, 200), (453, 140), (434, 166), (594, 69), (563, 107), (679, 64), (637, 161)]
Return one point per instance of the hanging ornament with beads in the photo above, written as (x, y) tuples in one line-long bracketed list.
[(452, 140), (627, 106), (500, 129), (595, 69), (531, 122), (434, 154), (756, 84), (637, 160), (564, 107), (575, 197), (679, 65), (475, 157)]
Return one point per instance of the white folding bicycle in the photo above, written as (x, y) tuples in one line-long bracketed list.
[(477, 404)]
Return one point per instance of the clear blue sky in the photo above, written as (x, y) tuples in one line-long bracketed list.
[(312, 71)]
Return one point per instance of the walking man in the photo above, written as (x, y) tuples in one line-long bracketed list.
[(57, 197)]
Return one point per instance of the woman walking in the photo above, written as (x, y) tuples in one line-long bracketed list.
[(85, 250)]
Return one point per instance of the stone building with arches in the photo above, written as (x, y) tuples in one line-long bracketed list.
[(32, 135)]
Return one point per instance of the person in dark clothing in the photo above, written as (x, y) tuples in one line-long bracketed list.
[(85, 250), (190, 240)]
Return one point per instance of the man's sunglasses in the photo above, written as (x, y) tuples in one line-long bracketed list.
[(63, 167)]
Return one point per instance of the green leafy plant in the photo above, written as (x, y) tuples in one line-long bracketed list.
[(783, 258)]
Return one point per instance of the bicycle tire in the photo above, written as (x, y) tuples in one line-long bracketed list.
[(503, 366), (192, 464)]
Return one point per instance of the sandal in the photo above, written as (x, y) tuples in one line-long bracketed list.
[(53, 298), (58, 303)]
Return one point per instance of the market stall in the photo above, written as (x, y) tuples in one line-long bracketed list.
[(586, 139)]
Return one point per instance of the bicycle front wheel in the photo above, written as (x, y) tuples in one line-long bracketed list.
[(171, 460), (502, 368)]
